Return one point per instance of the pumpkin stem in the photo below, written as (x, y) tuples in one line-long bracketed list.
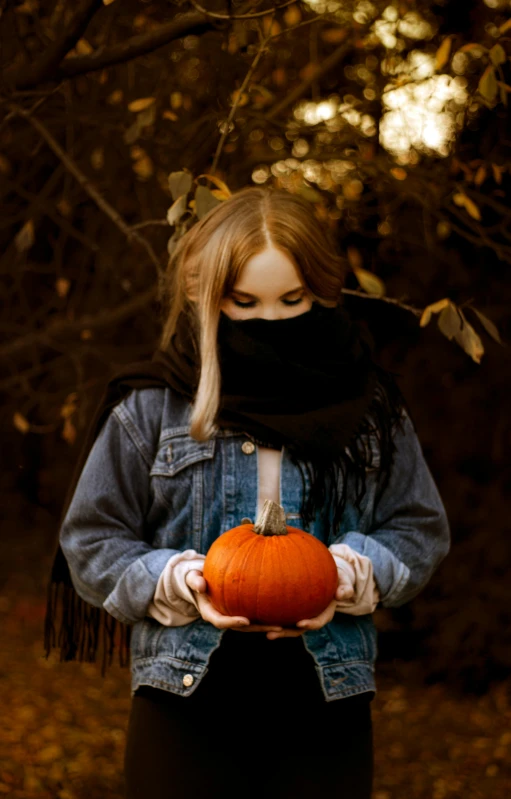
[(271, 520)]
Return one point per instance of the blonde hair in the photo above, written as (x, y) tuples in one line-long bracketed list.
[(208, 258)]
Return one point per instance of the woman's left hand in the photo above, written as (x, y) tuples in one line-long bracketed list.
[(344, 591)]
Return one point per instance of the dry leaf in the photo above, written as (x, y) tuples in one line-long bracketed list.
[(497, 172), (20, 423), (488, 84), (141, 104), (69, 431), (218, 183), (370, 282), (505, 26), (480, 175), (443, 53), (179, 183), (436, 307), (292, 15), (497, 55), (62, 285), (488, 325), (399, 173), (25, 238), (176, 210)]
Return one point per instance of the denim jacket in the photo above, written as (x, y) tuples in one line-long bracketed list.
[(145, 473)]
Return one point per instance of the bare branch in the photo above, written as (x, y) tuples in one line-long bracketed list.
[(64, 327), (391, 300), (193, 22), (328, 64), (45, 67), (88, 187), (214, 15), (234, 107)]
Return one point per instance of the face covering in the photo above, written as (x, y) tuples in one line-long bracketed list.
[(308, 383)]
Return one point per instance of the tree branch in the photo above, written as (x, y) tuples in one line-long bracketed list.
[(88, 187), (239, 95), (45, 67), (193, 22), (328, 64), (64, 327)]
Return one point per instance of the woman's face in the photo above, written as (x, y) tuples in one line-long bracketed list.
[(268, 287)]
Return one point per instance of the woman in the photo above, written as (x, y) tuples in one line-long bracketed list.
[(268, 390)]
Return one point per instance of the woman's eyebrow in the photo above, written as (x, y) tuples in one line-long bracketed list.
[(253, 296)]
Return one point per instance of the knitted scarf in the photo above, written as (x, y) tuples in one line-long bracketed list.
[(308, 383)]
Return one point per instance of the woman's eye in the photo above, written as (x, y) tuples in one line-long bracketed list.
[(292, 302), (244, 304)]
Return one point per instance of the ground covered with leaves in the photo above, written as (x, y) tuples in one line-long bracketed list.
[(64, 726)]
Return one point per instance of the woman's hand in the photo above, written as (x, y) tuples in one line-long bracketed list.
[(344, 591), (197, 583)]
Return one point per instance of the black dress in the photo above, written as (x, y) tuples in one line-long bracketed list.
[(257, 725)]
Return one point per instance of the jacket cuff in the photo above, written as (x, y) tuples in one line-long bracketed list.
[(357, 570), (390, 574), (174, 603)]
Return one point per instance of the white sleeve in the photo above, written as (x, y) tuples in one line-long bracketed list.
[(358, 570), (174, 603)]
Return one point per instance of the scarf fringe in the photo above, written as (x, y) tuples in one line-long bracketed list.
[(82, 626), (328, 482)]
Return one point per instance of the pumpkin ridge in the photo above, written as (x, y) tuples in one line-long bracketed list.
[(305, 555), (236, 564)]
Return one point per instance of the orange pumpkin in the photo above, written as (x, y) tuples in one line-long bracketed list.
[(270, 573)]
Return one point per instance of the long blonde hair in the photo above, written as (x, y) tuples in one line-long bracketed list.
[(208, 258)]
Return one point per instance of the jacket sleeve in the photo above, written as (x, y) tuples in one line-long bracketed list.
[(407, 533), (101, 536)]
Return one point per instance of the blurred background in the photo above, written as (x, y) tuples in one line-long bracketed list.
[(121, 124)]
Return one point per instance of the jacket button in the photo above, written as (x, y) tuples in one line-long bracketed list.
[(248, 447), (188, 680), (245, 520)]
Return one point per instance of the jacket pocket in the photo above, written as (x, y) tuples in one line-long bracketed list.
[(181, 467)]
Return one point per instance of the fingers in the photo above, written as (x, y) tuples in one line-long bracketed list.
[(258, 628)]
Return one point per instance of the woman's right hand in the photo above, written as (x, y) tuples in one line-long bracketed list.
[(197, 583)]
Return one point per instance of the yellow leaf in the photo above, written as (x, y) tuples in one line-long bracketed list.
[(459, 198), (436, 307), (20, 423), (471, 46), (354, 258), (497, 55), (218, 183), (488, 84), (292, 15), (108, 2), (472, 209), (270, 24), (83, 47), (143, 167), (141, 103), (399, 173), (334, 35), (176, 210), (505, 26), (176, 100), (62, 284), (69, 431), (240, 100), (115, 97), (170, 115), (470, 341), (497, 172), (97, 158), (370, 282), (25, 238), (443, 53), (219, 194), (480, 175)]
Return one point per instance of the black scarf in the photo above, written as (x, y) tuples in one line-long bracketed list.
[(308, 383)]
